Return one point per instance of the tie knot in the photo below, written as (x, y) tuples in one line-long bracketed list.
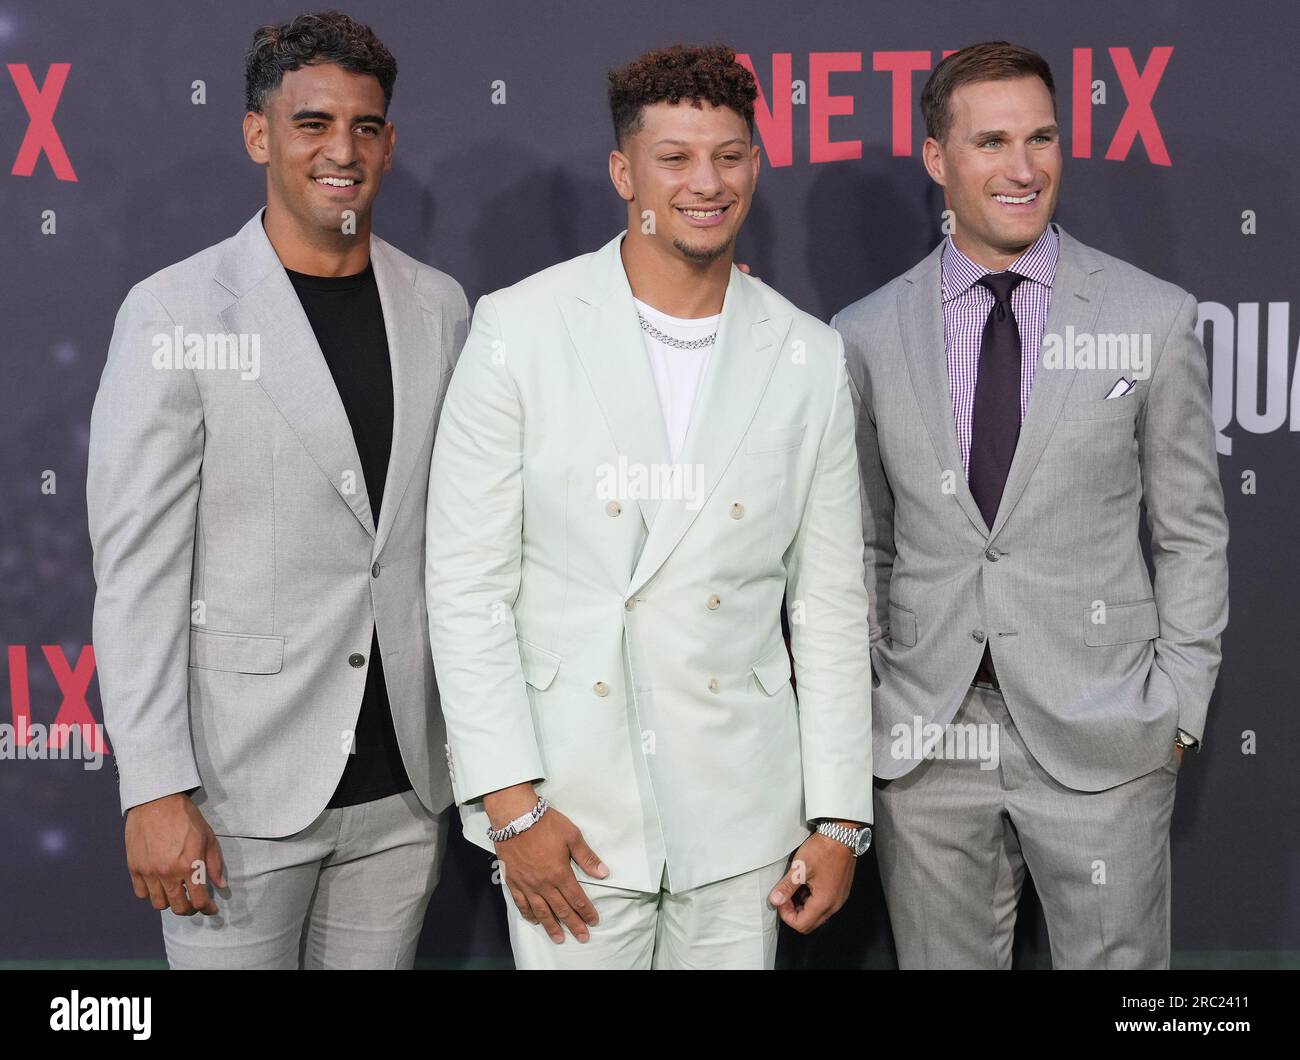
[(1001, 284)]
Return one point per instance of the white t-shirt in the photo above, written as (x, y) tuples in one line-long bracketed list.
[(677, 372)]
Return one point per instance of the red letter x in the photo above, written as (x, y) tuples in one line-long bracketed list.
[(1138, 119), (41, 134), (73, 682)]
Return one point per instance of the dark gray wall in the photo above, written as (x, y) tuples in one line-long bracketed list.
[(491, 193)]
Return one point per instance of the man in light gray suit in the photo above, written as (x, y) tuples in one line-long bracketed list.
[(256, 491), (1020, 397)]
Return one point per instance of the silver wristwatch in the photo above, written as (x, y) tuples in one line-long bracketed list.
[(856, 839), (521, 823)]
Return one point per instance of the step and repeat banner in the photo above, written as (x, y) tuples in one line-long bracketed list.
[(121, 153)]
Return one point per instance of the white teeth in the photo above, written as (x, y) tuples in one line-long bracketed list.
[(1018, 199), (703, 213), (336, 182)]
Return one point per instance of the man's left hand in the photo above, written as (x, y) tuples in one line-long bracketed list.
[(816, 884)]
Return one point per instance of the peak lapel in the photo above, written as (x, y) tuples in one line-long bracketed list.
[(603, 326), (737, 375)]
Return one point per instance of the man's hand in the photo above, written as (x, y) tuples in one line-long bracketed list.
[(535, 864), (170, 849), (1178, 754), (816, 885)]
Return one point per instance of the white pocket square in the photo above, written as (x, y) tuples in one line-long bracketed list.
[(1122, 386)]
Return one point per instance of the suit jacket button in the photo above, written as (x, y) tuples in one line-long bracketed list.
[(738, 510), (977, 635), (713, 602), (992, 555), (357, 660), (613, 508), (713, 684), (374, 571), (600, 688), (630, 604)]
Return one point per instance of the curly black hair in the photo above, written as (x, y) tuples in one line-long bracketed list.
[(318, 37), (684, 71)]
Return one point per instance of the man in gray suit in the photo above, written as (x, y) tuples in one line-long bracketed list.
[(258, 468), (1020, 396)]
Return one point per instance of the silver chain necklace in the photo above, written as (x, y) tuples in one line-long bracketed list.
[(675, 343)]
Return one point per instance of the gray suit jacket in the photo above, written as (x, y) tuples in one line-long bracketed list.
[(240, 572), (1099, 665)]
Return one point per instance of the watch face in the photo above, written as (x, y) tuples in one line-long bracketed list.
[(864, 841)]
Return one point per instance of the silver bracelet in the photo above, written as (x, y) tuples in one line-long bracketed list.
[(520, 824)]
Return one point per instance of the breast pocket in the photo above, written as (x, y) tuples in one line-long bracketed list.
[(775, 440), (1090, 409)]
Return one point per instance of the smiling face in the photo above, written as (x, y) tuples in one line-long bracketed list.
[(694, 169), (327, 145), (999, 167)]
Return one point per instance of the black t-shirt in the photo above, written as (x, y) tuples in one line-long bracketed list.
[(348, 321)]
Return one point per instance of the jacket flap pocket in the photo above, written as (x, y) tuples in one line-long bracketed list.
[(902, 625), (540, 665), (236, 652), (774, 441), (773, 669), (1121, 623)]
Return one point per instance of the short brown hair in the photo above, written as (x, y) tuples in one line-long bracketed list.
[(684, 71), (990, 61)]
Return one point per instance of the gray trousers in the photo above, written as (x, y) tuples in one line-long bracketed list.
[(348, 891), (954, 841)]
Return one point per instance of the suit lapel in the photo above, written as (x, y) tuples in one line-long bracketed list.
[(602, 323), (294, 374), (1076, 298), (417, 374), (920, 314), (748, 344)]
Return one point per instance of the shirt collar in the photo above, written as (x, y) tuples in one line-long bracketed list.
[(1038, 263)]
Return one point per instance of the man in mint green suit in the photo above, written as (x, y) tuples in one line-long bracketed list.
[(618, 508)]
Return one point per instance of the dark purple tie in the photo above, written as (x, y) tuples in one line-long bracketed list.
[(995, 420)]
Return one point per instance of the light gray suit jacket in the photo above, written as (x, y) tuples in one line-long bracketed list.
[(238, 564), (1099, 666), (624, 649)]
